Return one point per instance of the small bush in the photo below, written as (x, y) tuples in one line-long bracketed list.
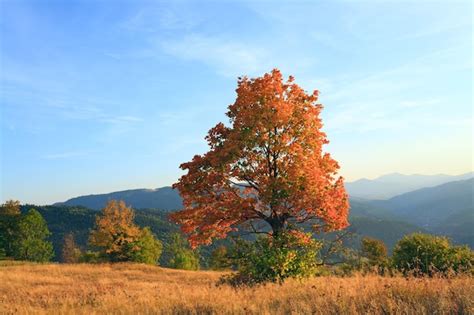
[(424, 254), (375, 253), (181, 256), (462, 259), (220, 259), (146, 249), (274, 259), (92, 257)]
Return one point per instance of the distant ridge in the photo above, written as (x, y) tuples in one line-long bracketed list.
[(446, 209), (391, 185), (165, 198)]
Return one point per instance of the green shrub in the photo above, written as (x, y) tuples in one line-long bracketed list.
[(274, 259), (462, 259), (146, 249), (424, 254), (375, 253), (219, 259), (180, 255), (92, 257)]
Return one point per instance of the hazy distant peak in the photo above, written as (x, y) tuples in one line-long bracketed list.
[(390, 185)]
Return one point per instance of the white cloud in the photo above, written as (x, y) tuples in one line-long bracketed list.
[(155, 17), (228, 56)]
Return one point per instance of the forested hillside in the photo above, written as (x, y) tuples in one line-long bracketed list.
[(62, 220), (79, 220), (446, 209)]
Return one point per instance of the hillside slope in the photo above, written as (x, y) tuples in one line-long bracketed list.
[(165, 198), (429, 207), (79, 221)]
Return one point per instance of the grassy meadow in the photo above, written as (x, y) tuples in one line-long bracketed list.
[(143, 289)]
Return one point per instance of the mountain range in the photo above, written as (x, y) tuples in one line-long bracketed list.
[(445, 209), (391, 185), (429, 207), (165, 198)]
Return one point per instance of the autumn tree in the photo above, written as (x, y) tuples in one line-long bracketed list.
[(70, 252), (267, 166), (9, 216), (31, 238), (114, 231), (10, 207), (119, 239)]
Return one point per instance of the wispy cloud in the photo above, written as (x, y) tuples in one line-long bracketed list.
[(156, 17), (228, 56), (120, 119)]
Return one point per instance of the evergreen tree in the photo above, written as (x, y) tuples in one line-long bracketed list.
[(9, 216), (30, 241)]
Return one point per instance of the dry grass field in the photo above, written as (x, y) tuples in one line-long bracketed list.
[(140, 289)]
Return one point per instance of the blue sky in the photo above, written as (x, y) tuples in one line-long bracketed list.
[(98, 96)]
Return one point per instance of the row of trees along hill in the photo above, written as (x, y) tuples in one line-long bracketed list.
[(114, 237)]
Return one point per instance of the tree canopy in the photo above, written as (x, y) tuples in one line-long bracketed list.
[(114, 231), (31, 236), (119, 239), (9, 217), (267, 166)]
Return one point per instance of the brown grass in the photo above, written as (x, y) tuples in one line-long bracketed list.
[(139, 289)]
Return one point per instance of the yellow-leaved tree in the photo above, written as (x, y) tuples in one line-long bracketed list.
[(118, 238)]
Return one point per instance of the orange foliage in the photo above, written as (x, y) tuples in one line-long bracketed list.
[(268, 165), (114, 229)]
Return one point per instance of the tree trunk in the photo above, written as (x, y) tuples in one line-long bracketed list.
[(278, 224)]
